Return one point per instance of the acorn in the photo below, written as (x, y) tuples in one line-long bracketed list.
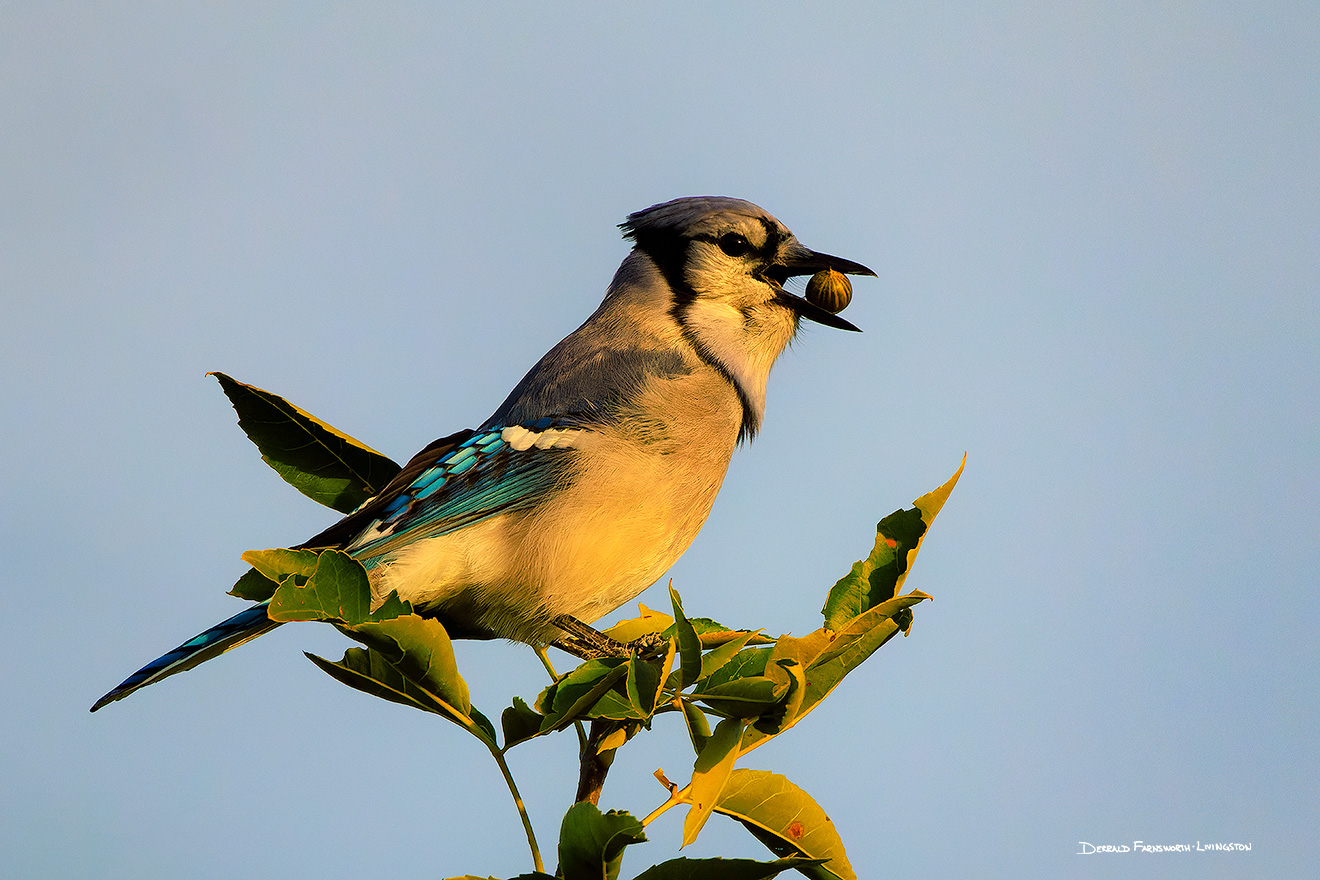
[(830, 290)]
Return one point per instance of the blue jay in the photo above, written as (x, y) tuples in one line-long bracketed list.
[(600, 467)]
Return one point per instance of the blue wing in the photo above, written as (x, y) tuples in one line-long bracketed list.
[(493, 471), (454, 482)]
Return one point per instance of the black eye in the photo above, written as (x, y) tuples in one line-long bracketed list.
[(734, 244)]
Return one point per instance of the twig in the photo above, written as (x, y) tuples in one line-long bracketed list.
[(522, 809), (594, 766)]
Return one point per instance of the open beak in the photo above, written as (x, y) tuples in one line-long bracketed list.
[(803, 261)]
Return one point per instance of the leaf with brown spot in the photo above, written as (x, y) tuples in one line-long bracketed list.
[(881, 575), (787, 820)]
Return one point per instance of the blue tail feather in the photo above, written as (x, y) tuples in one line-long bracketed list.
[(242, 627)]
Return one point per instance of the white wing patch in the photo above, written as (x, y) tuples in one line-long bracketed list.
[(375, 533), (521, 439)]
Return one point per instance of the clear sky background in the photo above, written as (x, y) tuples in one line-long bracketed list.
[(1097, 233)]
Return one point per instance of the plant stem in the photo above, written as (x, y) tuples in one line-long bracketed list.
[(545, 661), (554, 676), (522, 809), (594, 766), (676, 797)]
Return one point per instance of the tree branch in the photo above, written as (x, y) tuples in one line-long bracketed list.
[(591, 773)]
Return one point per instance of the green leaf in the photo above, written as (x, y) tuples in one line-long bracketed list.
[(643, 685), (785, 711), (482, 723), (254, 586), (717, 638), (614, 688), (787, 820), (615, 705), (697, 725), (276, 565), (838, 654), (320, 461), (745, 697), (715, 660), (721, 869), (648, 622), (880, 576), (710, 773), (591, 843), (578, 691), (420, 649), (520, 723), (689, 645), (858, 640), (804, 650), (337, 590), (705, 627), (726, 647), (747, 662), (391, 608), (369, 672)]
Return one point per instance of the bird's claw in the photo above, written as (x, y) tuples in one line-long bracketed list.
[(588, 643)]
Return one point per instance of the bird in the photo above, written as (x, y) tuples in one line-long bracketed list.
[(600, 467)]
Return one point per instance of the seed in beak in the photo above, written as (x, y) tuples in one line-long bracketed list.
[(830, 290)]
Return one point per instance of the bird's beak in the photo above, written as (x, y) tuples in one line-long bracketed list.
[(803, 261)]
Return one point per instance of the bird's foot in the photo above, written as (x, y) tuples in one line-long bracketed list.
[(589, 643)]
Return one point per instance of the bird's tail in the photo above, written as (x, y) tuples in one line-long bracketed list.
[(242, 627)]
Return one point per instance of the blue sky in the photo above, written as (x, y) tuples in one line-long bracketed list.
[(1096, 228)]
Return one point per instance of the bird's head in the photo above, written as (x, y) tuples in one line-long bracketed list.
[(718, 252), (725, 262)]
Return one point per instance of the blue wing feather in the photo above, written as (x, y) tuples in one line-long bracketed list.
[(242, 627), (455, 482), (483, 477)]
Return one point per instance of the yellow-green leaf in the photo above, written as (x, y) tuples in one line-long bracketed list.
[(835, 655), (727, 646), (881, 575), (710, 773), (720, 869), (578, 691), (369, 671), (648, 622), (324, 585), (279, 563), (787, 820), (644, 685), (697, 725), (420, 649), (689, 644), (786, 709), (745, 697)]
